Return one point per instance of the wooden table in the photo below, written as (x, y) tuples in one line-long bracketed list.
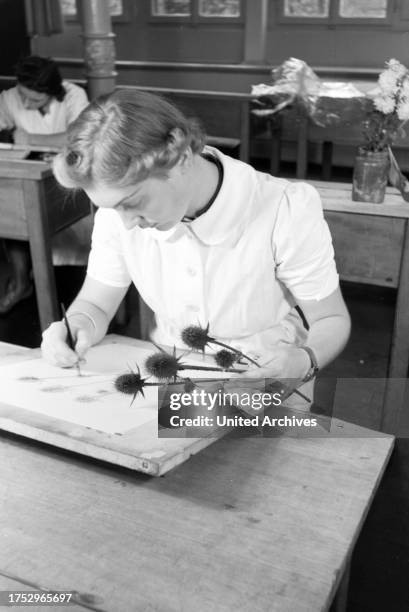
[(378, 253), (33, 207), (248, 524)]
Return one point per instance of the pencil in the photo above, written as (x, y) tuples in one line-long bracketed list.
[(70, 337)]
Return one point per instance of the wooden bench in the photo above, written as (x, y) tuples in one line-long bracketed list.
[(225, 115)]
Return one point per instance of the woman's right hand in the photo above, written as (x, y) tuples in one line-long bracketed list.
[(54, 346)]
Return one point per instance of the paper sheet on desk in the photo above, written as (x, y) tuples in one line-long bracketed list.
[(89, 400)]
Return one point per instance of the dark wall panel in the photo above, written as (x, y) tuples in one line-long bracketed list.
[(353, 47), (139, 39)]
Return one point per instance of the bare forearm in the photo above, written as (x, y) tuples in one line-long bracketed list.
[(90, 317), (328, 336), (330, 326)]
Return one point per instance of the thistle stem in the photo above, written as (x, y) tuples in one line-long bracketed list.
[(302, 395), (233, 350), (208, 368)]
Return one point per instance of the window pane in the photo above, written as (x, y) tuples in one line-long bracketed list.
[(368, 9), (116, 7), (306, 8), (174, 8), (219, 8), (68, 7)]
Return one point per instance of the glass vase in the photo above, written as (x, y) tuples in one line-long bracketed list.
[(370, 177)]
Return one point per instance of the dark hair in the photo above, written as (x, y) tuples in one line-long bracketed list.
[(40, 74), (123, 138)]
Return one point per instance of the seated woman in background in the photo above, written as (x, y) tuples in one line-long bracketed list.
[(39, 109), (204, 237)]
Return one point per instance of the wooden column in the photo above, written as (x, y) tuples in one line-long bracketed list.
[(99, 46), (255, 32)]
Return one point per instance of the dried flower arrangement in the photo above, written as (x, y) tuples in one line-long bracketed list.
[(391, 108)]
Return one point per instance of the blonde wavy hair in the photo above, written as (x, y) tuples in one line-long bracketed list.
[(123, 138)]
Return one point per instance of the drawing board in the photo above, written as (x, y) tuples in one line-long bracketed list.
[(89, 400), (85, 413)]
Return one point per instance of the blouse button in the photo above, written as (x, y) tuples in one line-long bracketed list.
[(191, 271)]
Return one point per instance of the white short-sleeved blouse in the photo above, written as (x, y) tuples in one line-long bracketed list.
[(240, 266), (57, 118), (70, 246)]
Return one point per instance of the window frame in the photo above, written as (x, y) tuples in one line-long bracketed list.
[(195, 19), (334, 18)]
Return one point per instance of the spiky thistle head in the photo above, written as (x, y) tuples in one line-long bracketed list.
[(162, 365), (196, 337), (225, 359), (131, 383)]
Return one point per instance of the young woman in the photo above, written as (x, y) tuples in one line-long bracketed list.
[(39, 109), (204, 237)]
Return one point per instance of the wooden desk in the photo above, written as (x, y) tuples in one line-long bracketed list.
[(249, 524), (33, 207), (303, 130), (337, 203)]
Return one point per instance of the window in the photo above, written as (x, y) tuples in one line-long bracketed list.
[(196, 10), (371, 9), (219, 8), (170, 8), (336, 11), (68, 7), (306, 8)]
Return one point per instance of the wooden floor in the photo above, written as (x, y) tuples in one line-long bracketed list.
[(381, 562)]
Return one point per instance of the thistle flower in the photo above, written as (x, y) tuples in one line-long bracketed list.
[(225, 359), (162, 365), (132, 383), (198, 338)]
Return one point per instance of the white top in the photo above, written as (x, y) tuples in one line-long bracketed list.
[(239, 267), (70, 246), (57, 118)]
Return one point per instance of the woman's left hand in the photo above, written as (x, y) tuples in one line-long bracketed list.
[(286, 362)]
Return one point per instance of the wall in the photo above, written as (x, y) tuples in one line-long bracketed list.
[(145, 48), (142, 41), (215, 56), (359, 45)]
